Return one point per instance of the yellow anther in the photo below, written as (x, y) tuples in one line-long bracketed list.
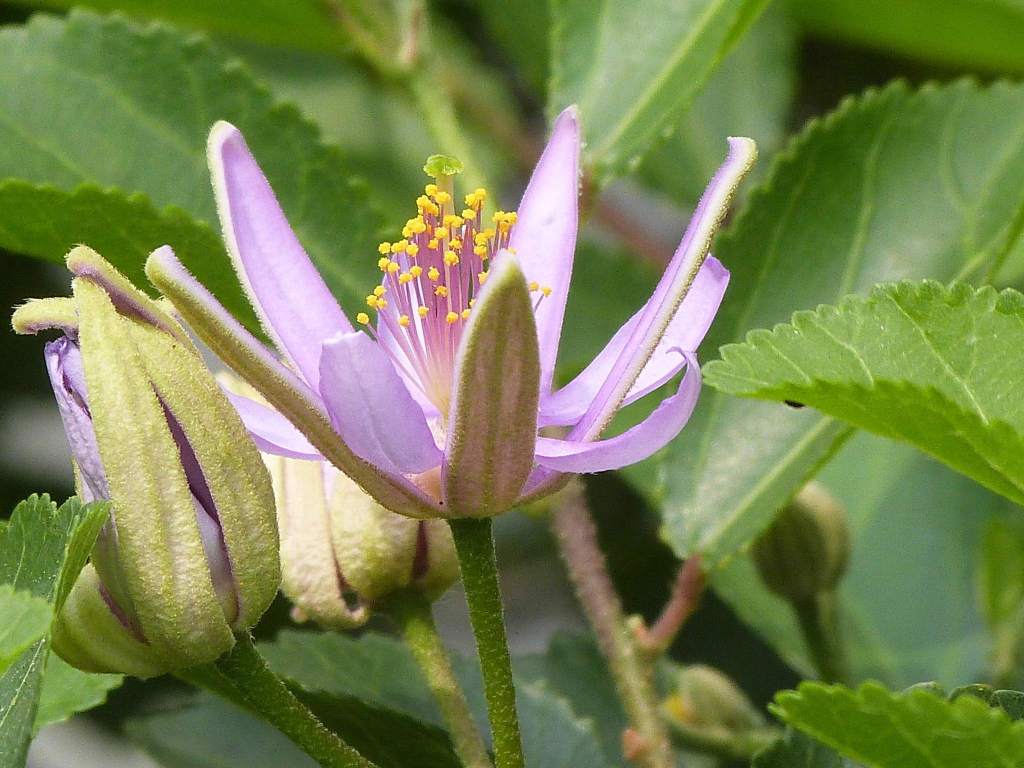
[(384, 247), (482, 276), (451, 258), (417, 225), (404, 321), (456, 244), (433, 273), (441, 233), (433, 243), (489, 233), (400, 246), (481, 251), (383, 263), (451, 220), (442, 197), (415, 270), (465, 314), (498, 217), (381, 303), (511, 217), (481, 193), (404, 278), (371, 301), (534, 286), (430, 189), (546, 290), (480, 238), (379, 291), (511, 250), (393, 267), (469, 213), (412, 250), (422, 311), (451, 317), (472, 302), (441, 290), (406, 232), (363, 319), (422, 201)]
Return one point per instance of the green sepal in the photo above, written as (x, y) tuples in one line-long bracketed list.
[(492, 430), (37, 315), (232, 465), (160, 551), (87, 635)]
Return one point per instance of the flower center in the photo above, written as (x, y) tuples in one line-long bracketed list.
[(431, 277)]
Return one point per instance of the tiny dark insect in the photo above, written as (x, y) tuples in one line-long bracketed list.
[(793, 404)]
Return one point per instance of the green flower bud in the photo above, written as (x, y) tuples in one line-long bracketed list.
[(708, 701), (341, 551), (805, 550), (189, 555)]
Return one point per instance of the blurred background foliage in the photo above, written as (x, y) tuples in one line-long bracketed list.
[(318, 79)]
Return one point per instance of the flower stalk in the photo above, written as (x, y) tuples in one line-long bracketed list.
[(646, 742), (474, 543), (411, 609), (243, 677)]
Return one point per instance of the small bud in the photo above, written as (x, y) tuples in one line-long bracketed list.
[(189, 555), (805, 550), (708, 701), (341, 551)]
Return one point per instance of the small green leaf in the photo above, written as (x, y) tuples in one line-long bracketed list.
[(914, 362), (980, 35), (26, 620), (913, 730), (42, 550), (633, 79), (834, 218)]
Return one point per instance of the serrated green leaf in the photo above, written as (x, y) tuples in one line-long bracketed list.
[(67, 690), (980, 34), (300, 24), (26, 620), (42, 550), (914, 362), (106, 103), (633, 79), (892, 493), (833, 218), (750, 94), (913, 730)]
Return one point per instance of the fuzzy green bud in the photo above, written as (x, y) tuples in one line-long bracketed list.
[(189, 555), (341, 551), (804, 552)]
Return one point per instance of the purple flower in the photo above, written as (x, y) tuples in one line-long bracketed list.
[(441, 408)]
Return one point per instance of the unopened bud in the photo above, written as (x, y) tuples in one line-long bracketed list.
[(189, 554), (341, 551), (708, 701), (806, 549)]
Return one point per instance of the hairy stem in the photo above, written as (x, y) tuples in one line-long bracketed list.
[(648, 745), (474, 543), (242, 677), (411, 609), (818, 624)]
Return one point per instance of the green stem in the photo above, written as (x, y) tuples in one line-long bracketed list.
[(817, 620), (577, 538), (474, 543), (411, 609), (242, 676)]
